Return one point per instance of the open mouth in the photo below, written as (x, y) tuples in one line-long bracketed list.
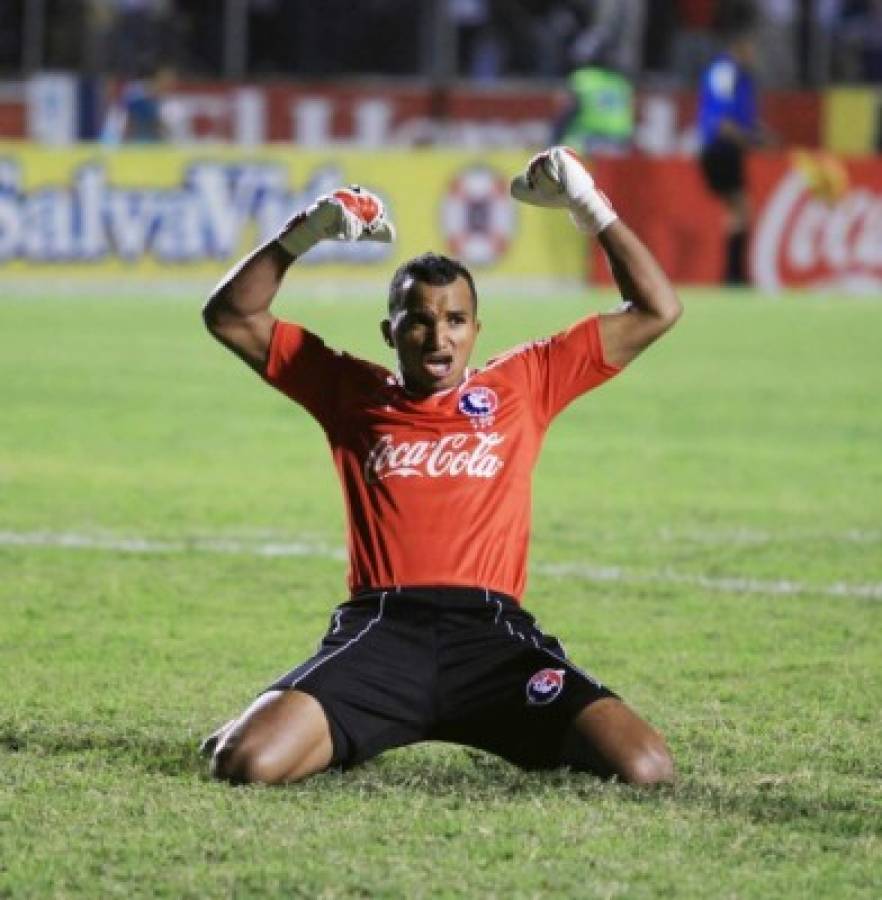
[(438, 365)]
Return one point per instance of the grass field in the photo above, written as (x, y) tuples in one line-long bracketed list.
[(708, 540)]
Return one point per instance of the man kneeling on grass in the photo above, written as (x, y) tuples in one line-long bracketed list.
[(436, 462)]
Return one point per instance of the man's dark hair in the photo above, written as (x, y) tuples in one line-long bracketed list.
[(430, 268)]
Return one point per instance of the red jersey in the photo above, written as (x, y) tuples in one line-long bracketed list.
[(438, 489)]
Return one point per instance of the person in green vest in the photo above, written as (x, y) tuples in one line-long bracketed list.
[(600, 115)]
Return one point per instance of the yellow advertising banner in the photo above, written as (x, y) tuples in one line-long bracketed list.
[(145, 211), (849, 120)]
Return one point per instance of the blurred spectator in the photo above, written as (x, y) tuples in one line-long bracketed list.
[(12, 17), (329, 38), (600, 117), (872, 52), (136, 116), (392, 25), (778, 24), (660, 30), (613, 38), (480, 51), (203, 37), (538, 33), (858, 42), (607, 53), (799, 41), (266, 37), (64, 33), (137, 32), (694, 43)]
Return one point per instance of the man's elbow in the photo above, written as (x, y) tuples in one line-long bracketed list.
[(666, 310), (671, 310), (213, 315)]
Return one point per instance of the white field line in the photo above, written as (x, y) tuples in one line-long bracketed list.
[(778, 587), (75, 541), (731, 584)]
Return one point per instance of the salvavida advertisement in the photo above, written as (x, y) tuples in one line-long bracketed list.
[(141, 211)]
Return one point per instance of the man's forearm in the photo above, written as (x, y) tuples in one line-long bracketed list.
[(639, 277)]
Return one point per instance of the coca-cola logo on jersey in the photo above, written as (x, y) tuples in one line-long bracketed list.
[(802, 240), (451, 456)]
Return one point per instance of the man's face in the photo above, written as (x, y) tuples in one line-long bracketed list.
[(434, 335)]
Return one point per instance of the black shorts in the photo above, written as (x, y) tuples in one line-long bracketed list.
[(464, 665), (722, 163)]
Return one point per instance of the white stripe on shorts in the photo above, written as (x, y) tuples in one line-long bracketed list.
[(346, 646)]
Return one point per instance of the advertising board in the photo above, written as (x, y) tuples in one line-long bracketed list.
[(816, 219), (140, 211), (817, 226)]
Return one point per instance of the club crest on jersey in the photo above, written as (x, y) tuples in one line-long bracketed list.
[(545, 686), (480, 405)]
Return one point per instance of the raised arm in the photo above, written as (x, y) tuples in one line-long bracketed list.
[(651, 306), (557, 178), (238, 311)]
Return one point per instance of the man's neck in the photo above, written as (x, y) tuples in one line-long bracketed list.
[(422, 394)]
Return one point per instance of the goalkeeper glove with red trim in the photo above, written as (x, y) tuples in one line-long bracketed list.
[(348, 214)]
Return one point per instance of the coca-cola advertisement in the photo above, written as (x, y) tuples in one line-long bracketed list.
[(817, 222), (816, 219)]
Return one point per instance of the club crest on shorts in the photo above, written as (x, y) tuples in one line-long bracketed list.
[(479, 404), (545, 686)]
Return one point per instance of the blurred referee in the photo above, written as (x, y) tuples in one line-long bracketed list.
[(728, 124)]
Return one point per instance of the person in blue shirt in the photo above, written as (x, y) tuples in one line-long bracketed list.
[(728, 124), (137, 114)]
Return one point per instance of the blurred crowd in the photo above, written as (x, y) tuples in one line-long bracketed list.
[(801, 42)]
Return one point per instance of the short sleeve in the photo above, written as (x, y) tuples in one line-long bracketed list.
[(566, 366), (304, 369)]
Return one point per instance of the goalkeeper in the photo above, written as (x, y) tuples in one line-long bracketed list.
[(435, 462)]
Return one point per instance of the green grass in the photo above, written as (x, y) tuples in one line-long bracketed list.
[(745, 446)]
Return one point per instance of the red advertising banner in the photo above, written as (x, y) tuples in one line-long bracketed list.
[(817, 221), (496, 116), (373, 114), (666, 203)]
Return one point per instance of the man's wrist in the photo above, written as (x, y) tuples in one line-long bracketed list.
[(278, 242), (592, 212), (297, 236)]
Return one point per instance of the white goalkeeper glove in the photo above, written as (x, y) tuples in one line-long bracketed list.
[(348, 214), (556, 178)]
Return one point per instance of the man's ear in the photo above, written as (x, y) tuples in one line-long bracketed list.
[(386, 328)]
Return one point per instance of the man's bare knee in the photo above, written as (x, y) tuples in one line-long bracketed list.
[(650, 764), (243, 762), (623, 745), (282, 737), (230, 763)]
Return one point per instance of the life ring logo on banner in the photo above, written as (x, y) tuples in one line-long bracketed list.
[(478, 216)]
